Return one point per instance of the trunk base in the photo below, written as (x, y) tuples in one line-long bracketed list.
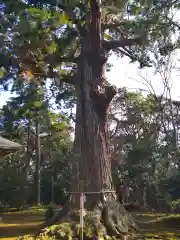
[(107, 220)]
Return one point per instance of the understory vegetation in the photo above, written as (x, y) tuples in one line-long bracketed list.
[(78, 133)]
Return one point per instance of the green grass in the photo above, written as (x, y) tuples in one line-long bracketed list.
[(21, 223), (32, 210), (165, 235), (161, 227), (154, 215), (29, 211), (16, 224)]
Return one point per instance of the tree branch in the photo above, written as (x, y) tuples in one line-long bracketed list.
[(113, 133), (69, 79), (108, 45), (110, 92), (54, 59), (134, 57), (111, 25)]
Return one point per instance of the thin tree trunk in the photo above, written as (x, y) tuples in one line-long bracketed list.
[(52, 188), (38, 161)]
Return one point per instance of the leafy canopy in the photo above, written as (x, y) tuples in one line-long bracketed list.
[(41, 37)]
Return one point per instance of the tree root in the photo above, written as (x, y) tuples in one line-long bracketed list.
[(108, 220)]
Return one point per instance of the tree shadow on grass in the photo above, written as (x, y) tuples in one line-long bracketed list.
[(15, 226), (16, 230)]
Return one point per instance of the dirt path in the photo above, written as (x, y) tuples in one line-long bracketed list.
[(15, 225)]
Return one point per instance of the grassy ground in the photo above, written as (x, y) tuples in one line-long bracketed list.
[(161, 226), (20, 223)]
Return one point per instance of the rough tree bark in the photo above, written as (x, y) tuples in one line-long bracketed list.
[(91, 147), (91, 159), (92, 151)]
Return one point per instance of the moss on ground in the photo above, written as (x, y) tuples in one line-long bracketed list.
[(64, 231), (23, 226), (155, 215), (162, 236), (158, 221), (68, 231), (30, 211), (16, 224)]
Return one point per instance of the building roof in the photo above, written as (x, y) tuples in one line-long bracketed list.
[(7, 147)]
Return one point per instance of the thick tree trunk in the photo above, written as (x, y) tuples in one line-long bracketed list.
[(91, 159), (92, 166), (91, 138)]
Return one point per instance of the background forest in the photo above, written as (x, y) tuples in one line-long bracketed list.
[(43, 43), (144, 147)]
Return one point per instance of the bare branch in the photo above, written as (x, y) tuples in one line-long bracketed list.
[(69, 79), (109, 45), (133, 57), (113, 133), (112, 25), (57, 59)]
